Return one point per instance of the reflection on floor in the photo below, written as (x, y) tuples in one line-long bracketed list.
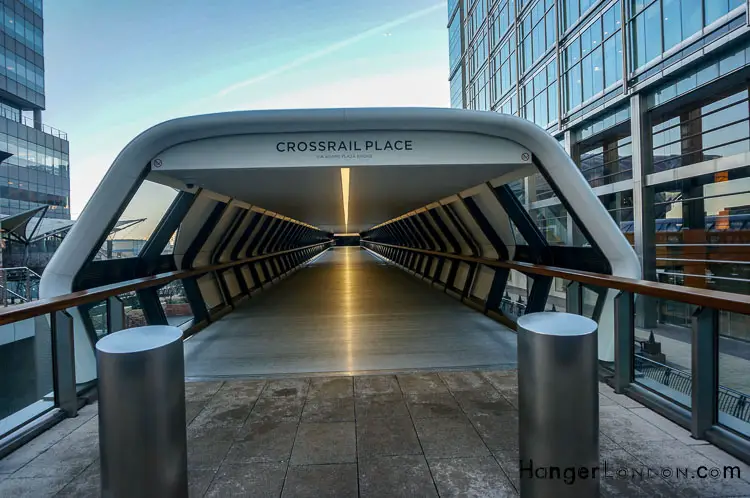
[(348, 312), (426, 434)]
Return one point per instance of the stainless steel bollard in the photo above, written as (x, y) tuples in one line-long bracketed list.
[(142, 434), (558, 404)]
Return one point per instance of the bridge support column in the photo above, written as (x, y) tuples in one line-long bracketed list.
[(558, 400)]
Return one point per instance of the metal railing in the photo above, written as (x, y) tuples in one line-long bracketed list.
[(18, 285), (730, 401), (29, 122), (707, 399), (58, 332)]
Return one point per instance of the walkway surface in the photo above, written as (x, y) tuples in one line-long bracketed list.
[(348, 312), (414, 435)]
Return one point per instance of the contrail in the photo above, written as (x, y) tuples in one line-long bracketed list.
[(332, 48)]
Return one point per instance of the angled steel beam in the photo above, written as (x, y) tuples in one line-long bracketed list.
[(261, 233), (202, 236), (570, 211), (450, 212), (433, 233), (167, 226), (484, 225), (227, 238), (522, 219), (235, 254)]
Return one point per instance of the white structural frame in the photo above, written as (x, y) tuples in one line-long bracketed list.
[(133, 163)]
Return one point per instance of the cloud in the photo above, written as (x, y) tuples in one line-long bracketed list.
[(378, 30)]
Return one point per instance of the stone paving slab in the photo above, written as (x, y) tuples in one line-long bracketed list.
[(404, 476), (412, 435)]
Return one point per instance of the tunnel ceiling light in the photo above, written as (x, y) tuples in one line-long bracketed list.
[(345, 193)]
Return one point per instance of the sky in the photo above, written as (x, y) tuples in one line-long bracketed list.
[(114, 69)]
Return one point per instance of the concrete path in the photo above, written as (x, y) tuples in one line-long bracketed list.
[(415, 435)]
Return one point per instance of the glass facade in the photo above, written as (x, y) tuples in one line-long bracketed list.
[(37, 172), (592, 59), (651, 99), (656, 26), (536, 32)]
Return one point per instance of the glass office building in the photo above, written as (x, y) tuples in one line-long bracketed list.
[(35, 169), (650, 98)]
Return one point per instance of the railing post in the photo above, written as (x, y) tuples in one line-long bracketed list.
[(63, 361), (705, 349), (574, 298), (495, 295), (539, 293), (115, 314), (195, 298), (4, 285), (151, 305), (624, 341), (438, 270), (469, 282)]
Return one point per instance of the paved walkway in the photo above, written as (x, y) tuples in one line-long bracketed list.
[(415, 435), (348, 312)]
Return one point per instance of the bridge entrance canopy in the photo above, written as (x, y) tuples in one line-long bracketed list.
[(223, 187)]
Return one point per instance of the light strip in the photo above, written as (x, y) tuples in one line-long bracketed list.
[(345, 192)]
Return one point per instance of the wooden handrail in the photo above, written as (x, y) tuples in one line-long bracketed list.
[(58, 303), (719, 300)]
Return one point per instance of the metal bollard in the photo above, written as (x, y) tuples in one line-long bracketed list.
[(558, 404), (142, 434)]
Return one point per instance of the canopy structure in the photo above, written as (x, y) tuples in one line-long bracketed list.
[(20, 227), (386, 174)]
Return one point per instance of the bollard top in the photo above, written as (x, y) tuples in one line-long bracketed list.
[(560, 324), (139, 339)]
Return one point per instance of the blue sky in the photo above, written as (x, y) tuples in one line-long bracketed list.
[(115, 68)]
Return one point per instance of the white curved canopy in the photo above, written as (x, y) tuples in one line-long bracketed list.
[(342, 170)]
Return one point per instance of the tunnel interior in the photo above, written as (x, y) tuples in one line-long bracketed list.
[(348, 184)]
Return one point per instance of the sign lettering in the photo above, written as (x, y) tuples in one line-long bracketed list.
[(345, 146)]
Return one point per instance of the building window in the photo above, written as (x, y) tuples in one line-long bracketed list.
[(15, 26), (502, 20), (18, 69), (476, 18), (702, 75), (9, 112), (620, 207), (593, 60), (479, 98), (454, 42), (702, 132), (539, 95), (452, 4), (504, 69), (478, 55), (537, 33), (457, 90), (699, 227), (552, 221), (714, 9), (509, 105), (658, 25), (608, 160), (572, 11)]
